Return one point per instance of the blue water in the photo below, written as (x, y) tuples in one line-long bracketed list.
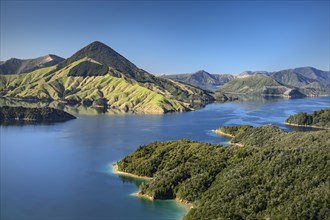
[(63, 171)]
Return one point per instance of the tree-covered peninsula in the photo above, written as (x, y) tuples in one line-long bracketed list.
[(10, 115), (275, 175), (319, 119)]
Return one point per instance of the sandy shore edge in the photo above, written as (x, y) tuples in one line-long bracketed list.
[(228, 135), (222, 133), (115, 170)]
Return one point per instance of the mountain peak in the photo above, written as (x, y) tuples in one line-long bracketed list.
[(202, 72), (102, 53), (96, 45), (105, 55)]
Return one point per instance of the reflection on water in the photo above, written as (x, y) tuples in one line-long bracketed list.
[(245, 101)]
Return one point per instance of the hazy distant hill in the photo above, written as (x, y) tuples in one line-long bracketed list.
[(304, 81), (97, 75), (16, 66), (252, 73), (251, 84), (304, 77), (202, 78)]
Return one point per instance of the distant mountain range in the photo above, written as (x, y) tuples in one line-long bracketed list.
[(298, 82), (202, 79), (18, 66), (97, 76), (303, 81)]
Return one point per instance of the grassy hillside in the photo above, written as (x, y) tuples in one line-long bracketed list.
[(316, 119), (98, 76), (276, 175), (118, 93), (248, 85)]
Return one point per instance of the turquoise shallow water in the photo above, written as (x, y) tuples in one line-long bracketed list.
[(61, 171)]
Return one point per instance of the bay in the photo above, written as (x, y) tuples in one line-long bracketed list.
[(64, 170)]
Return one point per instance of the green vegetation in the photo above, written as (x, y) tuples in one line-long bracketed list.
[(248, 85), (48, 84), (233, 130), (276, 175), (87, 68), (12, 115), (316, 119), (98, 76)]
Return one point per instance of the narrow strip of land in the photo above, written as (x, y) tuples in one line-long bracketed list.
[(115, 170)]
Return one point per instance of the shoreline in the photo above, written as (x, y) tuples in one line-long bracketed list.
[(115, 170), (222, 133), (189, 205), (306, 126), (228, 135)]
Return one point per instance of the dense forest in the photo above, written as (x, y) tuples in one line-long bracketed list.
[(319, 118), (276, 174), (9, 115)]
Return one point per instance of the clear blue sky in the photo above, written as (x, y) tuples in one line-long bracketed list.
[(174, 36)]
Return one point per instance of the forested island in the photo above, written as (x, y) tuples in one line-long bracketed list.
[(275, 175), (22, 115), (318, 119)]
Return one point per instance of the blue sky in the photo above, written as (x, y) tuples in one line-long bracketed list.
[(174, 36)]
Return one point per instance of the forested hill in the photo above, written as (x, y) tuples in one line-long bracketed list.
[(18, 115), (276, 175), (316, 119)]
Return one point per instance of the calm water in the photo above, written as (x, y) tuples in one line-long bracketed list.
[(63, 171)]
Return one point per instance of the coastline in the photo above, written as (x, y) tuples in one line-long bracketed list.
[(306, 126), (228, 135), (222, 133), (189, 205), (115, 170)]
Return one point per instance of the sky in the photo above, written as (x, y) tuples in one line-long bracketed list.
[(166, 37)]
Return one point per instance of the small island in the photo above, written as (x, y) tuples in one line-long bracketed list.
[(318, 119), (275, 175), (22, 115)]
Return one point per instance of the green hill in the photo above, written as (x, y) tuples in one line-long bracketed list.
[(259, 84), (249, 85), (97, 75), (276, 175), (316, 119)]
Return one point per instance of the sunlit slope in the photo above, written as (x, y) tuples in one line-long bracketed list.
[(249, 85), (115, 92)]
